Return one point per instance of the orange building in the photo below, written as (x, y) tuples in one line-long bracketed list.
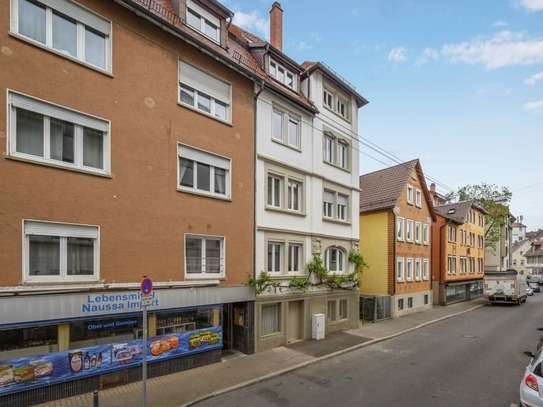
[(396, 215), (128, 151), (458, 252)]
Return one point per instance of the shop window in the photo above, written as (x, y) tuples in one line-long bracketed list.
[(93, 332), (28, 341)]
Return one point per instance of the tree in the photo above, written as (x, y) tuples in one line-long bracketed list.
[(492, 199)]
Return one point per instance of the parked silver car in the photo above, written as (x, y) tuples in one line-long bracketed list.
[(535, 287), (531, 386)]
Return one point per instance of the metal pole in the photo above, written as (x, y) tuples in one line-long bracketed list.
[(144, 374), (96, 401)]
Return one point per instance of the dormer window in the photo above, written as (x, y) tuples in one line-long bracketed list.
[(283, 75), (203, 21)]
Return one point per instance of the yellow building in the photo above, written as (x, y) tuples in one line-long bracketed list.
[(396, 216)]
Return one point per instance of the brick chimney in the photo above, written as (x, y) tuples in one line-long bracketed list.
[(276, 26)]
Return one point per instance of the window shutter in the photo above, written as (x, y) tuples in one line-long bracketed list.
[(60, 229), (203, 82), (80, 14), (328, 197), (47, 109), (203, 157)]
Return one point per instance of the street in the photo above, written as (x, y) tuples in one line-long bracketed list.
[(474, 359)]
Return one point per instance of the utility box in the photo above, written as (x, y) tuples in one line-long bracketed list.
[(317, 331)]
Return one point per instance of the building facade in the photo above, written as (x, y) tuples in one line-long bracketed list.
[(396, 216), (458, 252), (129, 144)]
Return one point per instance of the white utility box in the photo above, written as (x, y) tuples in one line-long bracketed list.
[(317, 331)]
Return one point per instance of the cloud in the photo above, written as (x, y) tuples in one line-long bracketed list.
[(427, 55), (537, 105), (500, 23), (534, 78), (505, 48), (303, 46), (252, 22), (397, 54), (531, 5)]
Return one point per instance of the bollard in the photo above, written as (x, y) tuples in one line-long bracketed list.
[(96, 402)]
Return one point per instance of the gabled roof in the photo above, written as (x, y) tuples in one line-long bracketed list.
[(536, 249), (519, 244), (458, 211), (380, 190)]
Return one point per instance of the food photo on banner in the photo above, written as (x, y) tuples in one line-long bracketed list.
[(23, 373)]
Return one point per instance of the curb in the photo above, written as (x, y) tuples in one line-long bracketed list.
[(318, 359)]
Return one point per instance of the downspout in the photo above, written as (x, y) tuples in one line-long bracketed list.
[(441, 264)]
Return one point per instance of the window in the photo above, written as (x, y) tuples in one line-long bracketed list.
[(409, 269), (335, 206), (285, 193), (426, 299), (283, 75), (59, 252), (451, 264), (204, 256), (294, 258), (334, 260), (426, 234), (275, 257), (480, 268), (271, 314), (203, 21), (425, 269), (400, 304), (65, 28), (342, 108), (52, 135), (203, 173), (410, 194), (409, 234), (343, 309), (409, 302), (463, 265), (331, 311), (417, 232), (328, 99), (418, 198), (472, 264), (400, 268), (335, 151), (336, 102), (400, 228), (204, 92), (418, 267), (286, 128), (451, 233)]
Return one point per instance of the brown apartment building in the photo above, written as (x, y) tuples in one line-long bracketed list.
[(458, 252), (128, 151)]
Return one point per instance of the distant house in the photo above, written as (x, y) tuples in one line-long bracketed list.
[(396, 216), (458, 252)]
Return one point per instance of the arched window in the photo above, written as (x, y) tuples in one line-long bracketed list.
[(334, 259)]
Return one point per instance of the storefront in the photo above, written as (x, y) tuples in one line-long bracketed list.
[(51, 339)]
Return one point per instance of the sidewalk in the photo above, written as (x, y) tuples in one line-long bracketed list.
[(190, 386)]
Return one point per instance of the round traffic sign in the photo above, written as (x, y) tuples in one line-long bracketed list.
[(146, 286)]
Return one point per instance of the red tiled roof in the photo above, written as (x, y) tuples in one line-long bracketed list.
[(457, 211)]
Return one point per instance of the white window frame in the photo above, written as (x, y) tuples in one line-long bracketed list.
[(275, 257), (49, 111), (418, 198), (328, 99), (275, 193), (206, 19), (203, 264), (425, 234), (290, 190), (425, 269), (283, 134), (410, 190), (463, 265), (409, 269), (336, 206), (400, 269), (341, 259), (283, 75), (294, 195), (336, 151), (418, 232), (451, 264), (418, 269), (197, 85), (294, 255), (400, 228), (63, 231), (409, 231), (217, 164), (84, 18)]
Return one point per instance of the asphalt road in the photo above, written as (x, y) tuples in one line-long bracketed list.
[(474, 359)]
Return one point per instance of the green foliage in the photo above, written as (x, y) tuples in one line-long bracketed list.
[(492, 199), (263, 281), (316, 265), (302, 283)]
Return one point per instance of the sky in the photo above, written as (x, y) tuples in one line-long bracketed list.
[(457, 84)]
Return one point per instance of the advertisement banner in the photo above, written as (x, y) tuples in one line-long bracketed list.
[(25, 373)]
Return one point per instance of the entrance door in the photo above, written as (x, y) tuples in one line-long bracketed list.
[(295, 326)]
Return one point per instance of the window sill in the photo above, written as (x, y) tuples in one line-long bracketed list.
[(336, 221), (285, 211), (208, 115), (204, 194), (52, 164), (281, 142)]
